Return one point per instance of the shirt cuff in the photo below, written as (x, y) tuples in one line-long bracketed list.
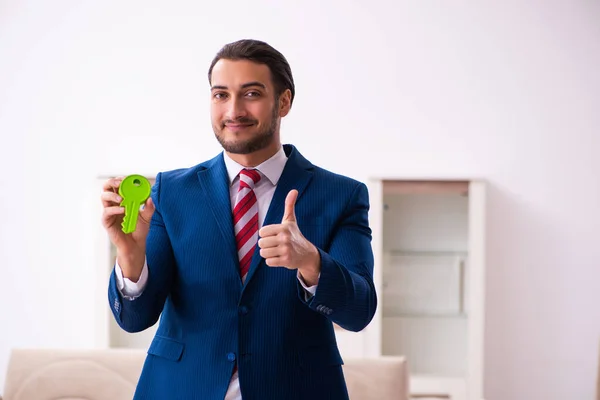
[(309, 291), (131, 290)]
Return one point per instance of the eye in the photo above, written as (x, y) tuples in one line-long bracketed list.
[(219, 95), (253, 94)]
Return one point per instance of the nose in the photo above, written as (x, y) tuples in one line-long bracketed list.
[(235, 109)]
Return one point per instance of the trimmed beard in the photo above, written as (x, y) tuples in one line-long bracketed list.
[(262, 139)]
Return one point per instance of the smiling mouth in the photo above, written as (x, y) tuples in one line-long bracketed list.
[(238, 127)]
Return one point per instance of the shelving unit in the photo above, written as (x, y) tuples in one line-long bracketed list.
[(428, 243)]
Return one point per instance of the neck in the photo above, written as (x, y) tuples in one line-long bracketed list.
[(251, 160)]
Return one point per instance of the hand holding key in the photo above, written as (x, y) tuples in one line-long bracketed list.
[(131, 247)]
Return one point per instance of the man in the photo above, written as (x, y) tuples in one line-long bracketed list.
[(250, 257)]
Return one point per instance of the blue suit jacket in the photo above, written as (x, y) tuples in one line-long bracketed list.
[(284, 346)]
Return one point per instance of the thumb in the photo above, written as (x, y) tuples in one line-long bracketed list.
[(290, 203), (147, 211)]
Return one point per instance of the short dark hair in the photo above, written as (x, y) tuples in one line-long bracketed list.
[(261, 53)]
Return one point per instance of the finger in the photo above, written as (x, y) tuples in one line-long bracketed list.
[(270, 252), (290, 203), (274, 262), (270, 230), (268, 242), (109, 199), (113, 183), (110, 211)]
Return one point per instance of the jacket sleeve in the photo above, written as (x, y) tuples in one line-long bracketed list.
[(142, 312), (345, 292)]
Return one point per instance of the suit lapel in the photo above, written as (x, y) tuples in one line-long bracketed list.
[(296, 175), (215, 186)]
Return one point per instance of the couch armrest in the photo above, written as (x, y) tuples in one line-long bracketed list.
[(383, 377)]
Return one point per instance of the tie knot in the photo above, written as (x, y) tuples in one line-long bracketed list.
[(249, 178)]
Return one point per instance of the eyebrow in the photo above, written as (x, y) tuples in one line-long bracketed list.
[(244, 86)]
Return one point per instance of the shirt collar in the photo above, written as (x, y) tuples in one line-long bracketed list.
[(271, 168)]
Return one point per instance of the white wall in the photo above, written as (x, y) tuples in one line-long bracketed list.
[(508, 91)]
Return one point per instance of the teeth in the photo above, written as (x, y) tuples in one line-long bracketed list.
[(125, 222)]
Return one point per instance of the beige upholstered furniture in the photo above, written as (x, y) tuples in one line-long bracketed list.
[(112, 375), (379, 378), (71, 374)]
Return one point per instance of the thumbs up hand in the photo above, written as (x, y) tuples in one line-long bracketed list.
[(283, 245)]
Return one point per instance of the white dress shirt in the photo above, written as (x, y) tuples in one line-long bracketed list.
[(270, 172)]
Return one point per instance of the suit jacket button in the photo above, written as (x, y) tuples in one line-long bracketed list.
[(231, 356)]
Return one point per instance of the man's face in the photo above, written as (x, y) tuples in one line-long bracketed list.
[(244, 112)]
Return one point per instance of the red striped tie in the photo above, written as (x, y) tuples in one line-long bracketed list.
[(245, 219)]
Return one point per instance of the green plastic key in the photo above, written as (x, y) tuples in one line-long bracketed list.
[(135, 190)]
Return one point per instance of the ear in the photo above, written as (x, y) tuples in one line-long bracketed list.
[(285, 102)]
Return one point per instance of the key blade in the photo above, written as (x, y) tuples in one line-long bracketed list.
[(132, 210)]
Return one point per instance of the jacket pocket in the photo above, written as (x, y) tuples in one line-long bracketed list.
[(319, 356), (166, 348)]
